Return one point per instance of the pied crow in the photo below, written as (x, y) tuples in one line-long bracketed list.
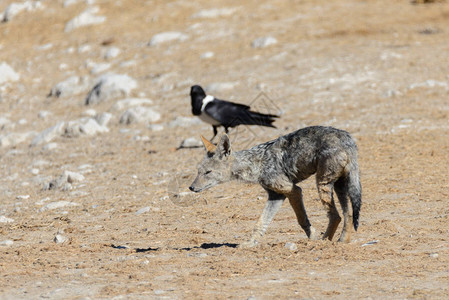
[(225, 113)]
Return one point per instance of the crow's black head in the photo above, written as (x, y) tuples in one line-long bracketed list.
[(197, 95)]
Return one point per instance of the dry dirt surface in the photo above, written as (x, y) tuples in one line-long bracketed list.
[(124, 225)]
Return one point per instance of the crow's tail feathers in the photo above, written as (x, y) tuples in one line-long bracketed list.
[(255, 118)]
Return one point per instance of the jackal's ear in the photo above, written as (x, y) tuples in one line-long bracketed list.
[(224, 146), (210, 148)]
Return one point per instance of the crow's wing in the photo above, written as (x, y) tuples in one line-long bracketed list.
[(231, 114)]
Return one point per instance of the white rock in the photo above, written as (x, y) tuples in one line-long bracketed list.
[(58, 204), (168, 36), (13, 139), (220, 86), (71, 86), (90, 113), (22, 121), (156, 127), (71, 2), (59, 239), (103, 119), (7, 73), (206, 55), (139, 114), (84, 48), (131, 102), (143, 210), (73, 176), (181, 121), (191, 142), (291, 246), (430, 83), (84, 126), (15, 8), (34, 171), (263, 42), (50, 146), (97, 68), (6, 243), (86, 18), (43, 114), (215, 12), (110, 86), (4, 219), (111, 52), (49, 134), (4, 123)]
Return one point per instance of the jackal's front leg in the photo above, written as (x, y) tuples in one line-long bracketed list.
[(271, 208)]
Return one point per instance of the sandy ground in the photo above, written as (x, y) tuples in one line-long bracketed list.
[(378, 69)]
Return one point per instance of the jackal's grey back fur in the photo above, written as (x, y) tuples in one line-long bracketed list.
[(296, 156)]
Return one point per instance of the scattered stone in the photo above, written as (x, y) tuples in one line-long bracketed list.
[(84, 126), (103, 119), (15, 8), (22, 121), (84, 48), (219, 87), (73, 176), (4, 123), (22, 197), (86, 18), (130, 102), (90, 113), (143, 210), (97, 68), (4, 219), (6, 243), (430, 83), (168, 36), (49, 134), (156, 127), (370, 243), (112, 52), (263, 42), (43, 114), (13, 139), (433, 255), (58, 204), (291, 246), (109, 86), (207, 55), (59, 239), (34, 171), (64, 181), (7, 73), (71, 2), (191, 142), (139, 114), (181, 121), (215, 12), (71, 86), (50, 146), (197, 254)]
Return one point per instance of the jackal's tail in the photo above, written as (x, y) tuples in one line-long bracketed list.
[(355, 193)]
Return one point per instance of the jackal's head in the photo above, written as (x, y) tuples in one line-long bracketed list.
[(216, 165)]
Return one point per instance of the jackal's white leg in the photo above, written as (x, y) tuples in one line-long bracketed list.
[(295, 198), (271, 208)]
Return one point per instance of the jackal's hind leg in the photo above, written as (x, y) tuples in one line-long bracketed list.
[(271, 208), (341, 190), (325, 193), (296, 201)]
